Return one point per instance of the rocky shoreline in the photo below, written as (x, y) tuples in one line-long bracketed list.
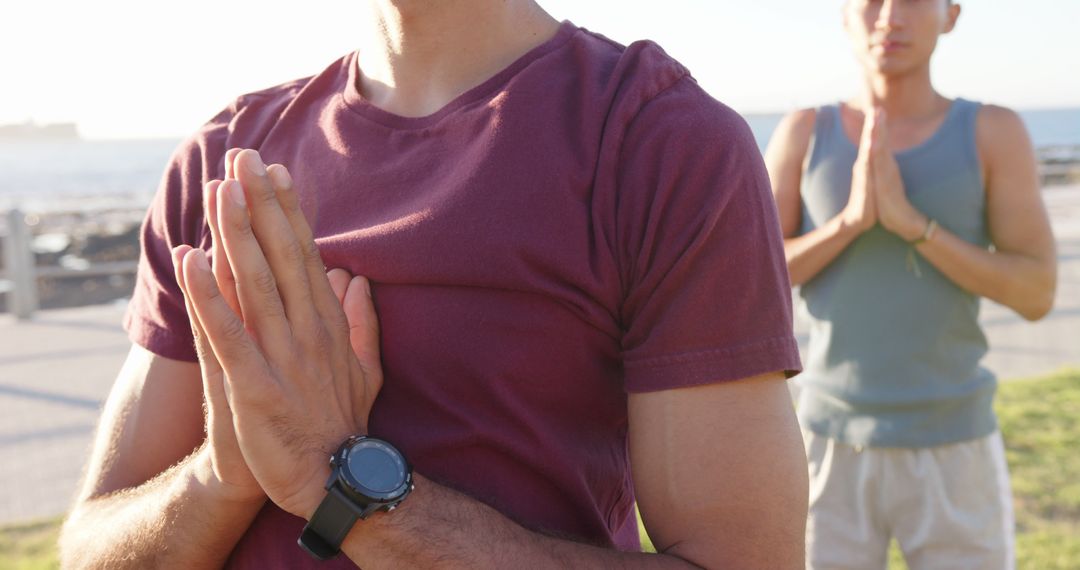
[(79, 239), (1059, 165)]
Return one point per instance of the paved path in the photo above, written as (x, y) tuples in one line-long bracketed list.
[(1021, 349), (54, 375), (56, 371)]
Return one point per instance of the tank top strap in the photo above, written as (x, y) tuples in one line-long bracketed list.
[(966, 114), (828, 133)]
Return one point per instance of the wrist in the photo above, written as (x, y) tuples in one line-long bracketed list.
[(312, 496), (307, 500), (369, 536), (203, 475), (373, 528), (928, 233), (917, 228), (847, 227)]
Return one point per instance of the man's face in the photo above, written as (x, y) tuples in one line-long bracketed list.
[(892, 37)]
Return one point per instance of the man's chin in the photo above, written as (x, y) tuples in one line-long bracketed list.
[(890, 66)]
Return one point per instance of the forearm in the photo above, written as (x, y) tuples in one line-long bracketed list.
[(1023, 283), (437, 527), (808, 254), (176, 520)]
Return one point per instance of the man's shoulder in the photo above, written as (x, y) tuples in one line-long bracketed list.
[(635, 75), (1000, 133), (274, 95), (272, 101), (244, 122), (798, 126), (790, 140), (642, 60), (654, 91), (248, 118), (800, 120), (996, 121)]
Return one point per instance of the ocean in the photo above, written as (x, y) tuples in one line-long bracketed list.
[(65, 174), (1048, 127), (77, 173)]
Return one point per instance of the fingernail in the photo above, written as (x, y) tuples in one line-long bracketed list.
[(208, 196), (367, 286), (280, 178), (255, 164), (230, 163), (200, 261), (236, 192)]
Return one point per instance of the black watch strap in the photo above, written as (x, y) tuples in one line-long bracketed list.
[(332, 521)]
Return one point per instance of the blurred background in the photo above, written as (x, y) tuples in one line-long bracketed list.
[(95, 96)]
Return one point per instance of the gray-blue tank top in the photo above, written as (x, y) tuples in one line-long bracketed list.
[(894, 347)]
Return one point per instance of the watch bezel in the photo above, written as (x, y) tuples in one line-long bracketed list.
[(353, 486)]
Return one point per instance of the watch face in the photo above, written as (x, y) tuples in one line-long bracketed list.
[(376, 469)]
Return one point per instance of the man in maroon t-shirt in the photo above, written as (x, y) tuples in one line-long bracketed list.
[(577, 271)]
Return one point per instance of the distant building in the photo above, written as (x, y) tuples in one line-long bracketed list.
[(31, 131)]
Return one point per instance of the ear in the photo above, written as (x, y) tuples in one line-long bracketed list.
[(952, 14)]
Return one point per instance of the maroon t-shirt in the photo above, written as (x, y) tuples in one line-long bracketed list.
[(586, 223)]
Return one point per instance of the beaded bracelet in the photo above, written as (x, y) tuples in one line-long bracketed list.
[(931, 227)]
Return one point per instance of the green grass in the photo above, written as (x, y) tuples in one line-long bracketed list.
[(646, 542), (1040, 419), (29, 546), (1041, 422)]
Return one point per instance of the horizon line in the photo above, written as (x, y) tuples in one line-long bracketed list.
[(130, 137)]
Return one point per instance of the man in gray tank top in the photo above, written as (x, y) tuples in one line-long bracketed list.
[(900, 209)]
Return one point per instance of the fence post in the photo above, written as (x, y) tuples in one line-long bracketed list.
[(20, 266)]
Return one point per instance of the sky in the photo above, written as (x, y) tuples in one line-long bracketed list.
[(139, 69)]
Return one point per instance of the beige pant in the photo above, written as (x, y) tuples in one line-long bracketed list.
[(948, 506)]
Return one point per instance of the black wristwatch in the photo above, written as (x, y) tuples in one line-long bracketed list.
[(367, 475)]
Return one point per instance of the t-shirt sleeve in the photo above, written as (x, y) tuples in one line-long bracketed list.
[(706, 291), (156, 318)]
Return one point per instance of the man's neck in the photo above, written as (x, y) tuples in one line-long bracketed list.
[(416, 56), (903, 96)]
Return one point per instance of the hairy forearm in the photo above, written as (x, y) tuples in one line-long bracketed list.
[(437, 527), (808, 254), (176, 520), (1023, 283)]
